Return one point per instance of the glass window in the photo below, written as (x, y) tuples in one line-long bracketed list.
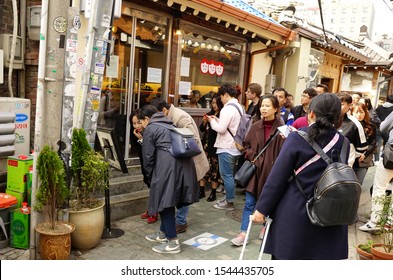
[(352, 19), (365, 9), (344, 11), (354, 10), (364, 19), (342, 20), (208, 60)]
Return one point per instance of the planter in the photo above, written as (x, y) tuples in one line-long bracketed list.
[(363, 255), (89, 225), (379, 253), (55, 244)]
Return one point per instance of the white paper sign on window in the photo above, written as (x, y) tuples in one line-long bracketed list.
[(112, 70), (154, 75), (184, 88), (185, 67)]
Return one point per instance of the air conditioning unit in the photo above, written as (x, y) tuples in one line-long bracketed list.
[(5, 45), (270, 83)]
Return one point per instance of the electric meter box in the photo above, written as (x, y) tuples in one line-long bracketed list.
[(6, 46)]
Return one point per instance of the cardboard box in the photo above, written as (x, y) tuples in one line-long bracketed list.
[(7, 204), (20, 229), (17, 168), (20, 197)]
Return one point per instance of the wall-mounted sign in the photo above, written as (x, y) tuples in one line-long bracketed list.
[(212, 67)]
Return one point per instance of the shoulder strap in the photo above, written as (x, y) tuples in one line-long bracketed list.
[(241, 114), (164, 125), (270, 140), (315, 146)]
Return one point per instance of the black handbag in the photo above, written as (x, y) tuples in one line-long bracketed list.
[(244, 174), (388, 156), (367, 162)]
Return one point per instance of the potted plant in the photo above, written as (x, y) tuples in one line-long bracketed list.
[(364, 250), (90, 173), (52, 193), (384, 250)]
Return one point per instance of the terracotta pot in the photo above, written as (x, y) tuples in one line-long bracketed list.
[(89, 225), (55, 244), (363, 255), (379, 253)]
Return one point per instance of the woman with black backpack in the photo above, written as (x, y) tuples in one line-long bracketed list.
[(292, 234)]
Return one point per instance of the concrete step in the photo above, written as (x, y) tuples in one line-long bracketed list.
[(128, 193), (126, 184), (128, 204)]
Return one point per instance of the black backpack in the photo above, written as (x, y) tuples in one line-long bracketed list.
[(336, 194)]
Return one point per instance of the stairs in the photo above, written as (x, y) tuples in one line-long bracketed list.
[(128, 193)]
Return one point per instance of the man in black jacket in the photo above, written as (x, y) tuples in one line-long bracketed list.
[(305, 100), (383, 111)]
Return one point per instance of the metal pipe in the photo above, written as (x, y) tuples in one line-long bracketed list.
[(22, 73), (284, 66), (13, 46)]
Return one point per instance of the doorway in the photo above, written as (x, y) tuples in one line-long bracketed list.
[(141, 45)]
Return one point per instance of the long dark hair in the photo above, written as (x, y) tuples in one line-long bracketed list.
[(216, 97), (327, 110)]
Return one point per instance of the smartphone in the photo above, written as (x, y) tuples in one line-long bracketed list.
[(285, 130)]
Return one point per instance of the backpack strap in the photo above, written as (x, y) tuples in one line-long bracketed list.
[(321, 153), (241, 114)]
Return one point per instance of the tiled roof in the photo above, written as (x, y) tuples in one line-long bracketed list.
[(239, 4)]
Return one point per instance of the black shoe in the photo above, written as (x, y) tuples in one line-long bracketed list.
[(212, 197), (201, 194)]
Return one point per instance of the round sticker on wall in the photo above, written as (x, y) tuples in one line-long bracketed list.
[(60, 24)]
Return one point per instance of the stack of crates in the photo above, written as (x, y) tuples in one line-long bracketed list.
[(7, 204), (19, 177)]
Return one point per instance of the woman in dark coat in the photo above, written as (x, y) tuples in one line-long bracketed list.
[(172, 180), (292, 236), (260, 133)]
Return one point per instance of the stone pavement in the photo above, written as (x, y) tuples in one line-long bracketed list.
[(203, 218)]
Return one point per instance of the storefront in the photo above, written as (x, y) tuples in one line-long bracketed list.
[(180, 54)]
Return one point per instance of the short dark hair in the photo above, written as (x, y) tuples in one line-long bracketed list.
[(159, 103), (227, 88), (325, 87), (345, 97), (147, 111), (311, 92), (281, 89), (389, 98)]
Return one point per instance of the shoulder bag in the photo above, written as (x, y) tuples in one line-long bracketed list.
[(244, 174), (388, 156)]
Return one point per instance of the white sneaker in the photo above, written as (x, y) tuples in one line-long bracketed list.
[(369, 227), (220, 189)]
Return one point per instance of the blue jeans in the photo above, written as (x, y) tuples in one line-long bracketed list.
[(181, 215), (227, 164), (168, 224), (249, 207)]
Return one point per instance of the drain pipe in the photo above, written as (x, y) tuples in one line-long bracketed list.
[(13, 46), (284, 66), (22, 72)]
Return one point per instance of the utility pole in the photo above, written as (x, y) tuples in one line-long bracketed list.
[(49, 88)]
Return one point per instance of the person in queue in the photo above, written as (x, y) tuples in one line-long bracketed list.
[(292, 235)]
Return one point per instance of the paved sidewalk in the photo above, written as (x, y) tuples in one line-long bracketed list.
[(203, 219)]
